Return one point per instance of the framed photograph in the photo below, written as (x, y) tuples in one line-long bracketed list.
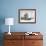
[(27, 15)]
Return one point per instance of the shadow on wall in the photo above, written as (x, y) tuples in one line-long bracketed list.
[(2, 21)]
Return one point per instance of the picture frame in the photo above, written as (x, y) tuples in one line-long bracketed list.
[(27, 15)]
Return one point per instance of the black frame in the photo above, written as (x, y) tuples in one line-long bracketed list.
[(26, 9)]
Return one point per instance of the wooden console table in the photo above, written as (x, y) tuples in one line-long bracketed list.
[(20, 39)]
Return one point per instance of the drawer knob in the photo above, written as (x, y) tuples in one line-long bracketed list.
[(33, 42)]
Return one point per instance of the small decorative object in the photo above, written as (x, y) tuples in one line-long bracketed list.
[(26, 34), (27, 15), (9, 21), (30, 33)]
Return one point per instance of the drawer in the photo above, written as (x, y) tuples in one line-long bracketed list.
[(16, 37), (33, 37), (13, 43), (33, 43), (9, 43)]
